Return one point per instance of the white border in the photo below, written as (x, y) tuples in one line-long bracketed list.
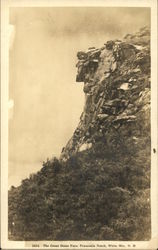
[(5, 244)]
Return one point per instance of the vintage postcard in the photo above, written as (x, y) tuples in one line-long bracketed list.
[(79, 124)]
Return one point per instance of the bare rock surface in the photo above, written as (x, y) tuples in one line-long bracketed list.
[(117, 90), (99, 189)]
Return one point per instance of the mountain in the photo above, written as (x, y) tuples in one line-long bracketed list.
[(99, 188)]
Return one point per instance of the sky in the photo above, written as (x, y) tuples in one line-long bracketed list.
[(45, 102)]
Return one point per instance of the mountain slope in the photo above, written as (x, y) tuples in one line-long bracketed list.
[(99, 189)]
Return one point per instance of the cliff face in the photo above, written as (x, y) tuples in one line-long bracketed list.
[(117, 95), (99, 189)]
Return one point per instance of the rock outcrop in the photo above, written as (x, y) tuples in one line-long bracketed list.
[(99, 189), (117, 94)]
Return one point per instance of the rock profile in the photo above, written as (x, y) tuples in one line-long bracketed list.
[(99, 188), (117, 91)]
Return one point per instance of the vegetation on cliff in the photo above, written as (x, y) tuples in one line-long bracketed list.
[(89, 197), (99, 189)]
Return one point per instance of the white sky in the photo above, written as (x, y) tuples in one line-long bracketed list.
[(46, 100)]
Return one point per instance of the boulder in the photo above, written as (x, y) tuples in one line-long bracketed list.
[(85, 146), (124, 86), (109, 45), (102, 116), (82, 55), (124, 117)]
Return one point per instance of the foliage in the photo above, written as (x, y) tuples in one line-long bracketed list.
[(88, 197), (103, 192)]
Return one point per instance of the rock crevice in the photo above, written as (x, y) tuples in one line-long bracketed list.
[(100, 187), (117, 91)]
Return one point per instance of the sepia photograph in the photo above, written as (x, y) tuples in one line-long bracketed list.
[(80, 127)]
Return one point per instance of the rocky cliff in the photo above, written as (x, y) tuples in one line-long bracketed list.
[(117, 94), (99, 189)]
